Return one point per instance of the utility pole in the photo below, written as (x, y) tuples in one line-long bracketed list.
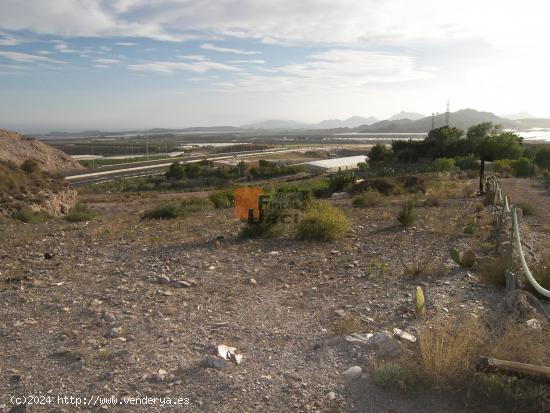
[(448, 114), (146, 145), (93, 157), (433, 120)]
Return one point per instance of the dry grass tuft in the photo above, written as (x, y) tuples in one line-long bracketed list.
[(348, 324), (448, 352)]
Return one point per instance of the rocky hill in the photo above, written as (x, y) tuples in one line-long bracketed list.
[(17, 148)]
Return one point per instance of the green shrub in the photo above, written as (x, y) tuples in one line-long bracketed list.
[(176, 171), (444, 165), (339, 180), (196, 204), (413, 184), (502, 166), (27, 215), (321, 221), (397, 376), (380, 153), (542, 158), (523, 167), (407, 214), (369, 198), (165, 211), (79, 213), (223, 199), (30, 166), (466, 163)]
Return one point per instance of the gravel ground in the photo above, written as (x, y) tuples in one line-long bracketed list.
[(128, 308)]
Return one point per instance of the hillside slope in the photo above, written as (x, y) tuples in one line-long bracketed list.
[(17, 148)]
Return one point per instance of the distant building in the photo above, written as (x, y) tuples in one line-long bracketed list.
[(335, 164)]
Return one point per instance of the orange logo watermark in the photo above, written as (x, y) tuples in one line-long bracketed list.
[(247, 199)]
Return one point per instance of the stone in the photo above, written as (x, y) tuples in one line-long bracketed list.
[(274, 253), (534, 324), (358, 338), (163, 279), (48, 255), (340, 313), (252, 281), (179, 284), (403, 335), (353, 372), (331, 395), (215, 363)]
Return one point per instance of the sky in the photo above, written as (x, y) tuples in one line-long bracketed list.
[(132, 64)]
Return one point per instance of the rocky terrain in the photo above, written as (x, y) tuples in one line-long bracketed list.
[(17, 148), (129, 308)]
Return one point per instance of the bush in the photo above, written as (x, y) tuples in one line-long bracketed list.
[(165, 211), (339, 180), (383, 185), (493, 270), (196, 204), (407, 214), (369, 198), (176, 171), (322, 222), (444, 165), (393, 375), (30, 166), (413, 184), (28, 216), (380, 153), (523, 167), (79, 213), (542, 158), (447, 351), (436, 197), (466, 163), (223, 199), (502, 166)]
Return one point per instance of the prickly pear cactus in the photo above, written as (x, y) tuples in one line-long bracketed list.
[(419, 301), (455, 255)]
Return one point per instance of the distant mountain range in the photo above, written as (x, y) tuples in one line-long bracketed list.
[(402, 122), (352, 122), (406, 115)]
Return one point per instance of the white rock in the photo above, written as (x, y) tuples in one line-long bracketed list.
[(404, 335), (274, 253), (534, 323), (353, 372)]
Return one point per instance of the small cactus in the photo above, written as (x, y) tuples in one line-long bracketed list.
[(467, 259), (419, 301)]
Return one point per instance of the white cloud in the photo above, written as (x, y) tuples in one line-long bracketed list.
[(126, 44), (64, 48), (252, 61), (192, 57), (7, 40), (26, 57), (172, 67), (102, 61), (210, 46)]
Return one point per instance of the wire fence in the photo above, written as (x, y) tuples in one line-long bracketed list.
[(503, 212)]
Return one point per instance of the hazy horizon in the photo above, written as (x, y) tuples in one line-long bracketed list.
[(129, 64)]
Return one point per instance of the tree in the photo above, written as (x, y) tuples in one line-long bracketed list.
[(175, 171), (380, 153), (505, 145), (443, 141), (542, 158), (488, 142)]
